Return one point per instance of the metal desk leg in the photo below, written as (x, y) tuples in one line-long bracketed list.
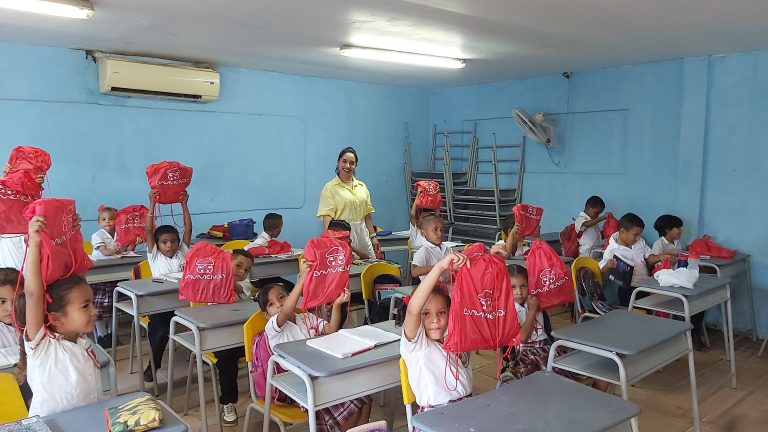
[(751, 299), (730, 337), (692, 377), (198, 357)]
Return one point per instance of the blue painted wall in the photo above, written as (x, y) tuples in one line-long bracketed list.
[(679, 137), (268, 144)]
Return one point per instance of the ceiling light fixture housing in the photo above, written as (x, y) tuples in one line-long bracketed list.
[(80, 9), (402, 57)]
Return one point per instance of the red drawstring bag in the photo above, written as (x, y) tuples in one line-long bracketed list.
[(13, 201), (706, 246), (207, 276), (62, 254), (171, 179), (33, 160), (130, 224), (548, 277), (482, 314), (528, 218), (610, 227), (430, 194), (273, 247), (569, 239), (664, 264), (329, 274)]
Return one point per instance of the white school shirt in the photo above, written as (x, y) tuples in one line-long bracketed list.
[(431, 382), (261, 240), (162, 265), (417, 239), (12, 248), (590, 237), (102, 238), (62, 374), (634, 256), (521, 248), (538, 328), (661, 245), (8, 336), (306, 326), (429, 255)]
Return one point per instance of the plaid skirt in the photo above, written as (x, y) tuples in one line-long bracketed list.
[(532, 357), (102, 298), (330, 419)]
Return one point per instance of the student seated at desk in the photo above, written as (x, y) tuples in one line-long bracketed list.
[(417, 213), (424, 325), (272, 225), (433, 251), (628, 246), (62, 368), (285, 325), (587, 223), (165, 254)]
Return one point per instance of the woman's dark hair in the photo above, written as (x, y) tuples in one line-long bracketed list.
[(344, 151), (438, 291), (666, 223), (165, 229), (263, 297)]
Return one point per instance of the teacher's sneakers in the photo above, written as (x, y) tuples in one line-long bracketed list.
[(228, 415)]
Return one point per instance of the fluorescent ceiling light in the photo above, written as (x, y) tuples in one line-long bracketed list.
[(81, 9), (402, 57)]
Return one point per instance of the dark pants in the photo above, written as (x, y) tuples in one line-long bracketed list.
[(227, 364), (625, 293), (157, 333)]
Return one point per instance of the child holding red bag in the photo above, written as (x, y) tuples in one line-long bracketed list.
[(165, 254), (587, 223), (433, 250), (12, 246), (416, 214), (513, 245), (62, 369), (425, 322), (285, 325)]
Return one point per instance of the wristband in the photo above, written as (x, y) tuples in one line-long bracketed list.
[(370, 236)]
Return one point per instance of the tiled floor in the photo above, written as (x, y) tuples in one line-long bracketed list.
[(664, 396)]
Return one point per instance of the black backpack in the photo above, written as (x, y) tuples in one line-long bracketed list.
[(591, 294), (378, 310)]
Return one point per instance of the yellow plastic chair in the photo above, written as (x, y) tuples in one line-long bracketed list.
[(368, 276), (12, 406), (593, 265), (279, 413), (235, 244), (408, 397), (88, 247)]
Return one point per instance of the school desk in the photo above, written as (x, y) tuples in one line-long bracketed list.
[(207, 329), (521, 261), (733, 268), (623, 347), (114, 269), (707, 292), (276, 266), (214, 241), (317, 380), (394, 242), (559, 404), (90, 418), (145, 297)]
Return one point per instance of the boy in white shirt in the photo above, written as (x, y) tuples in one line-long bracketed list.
[(272, 225), (432, 228), (587, 224), (416, 214), (628, 246)]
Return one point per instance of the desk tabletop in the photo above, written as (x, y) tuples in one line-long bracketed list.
[(219, 315), (294, 256), (722, 262), (705, 284), (521, 260), (90, 418), (561, 405), (122, 261), (320, 364), (149, 287), (406, 290), (623, 332)]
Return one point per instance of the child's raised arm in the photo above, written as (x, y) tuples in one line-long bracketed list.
[(414, 209), (421, 294), (149, 234), (34, 291), (293, 298), (335, 323), (187, 219)]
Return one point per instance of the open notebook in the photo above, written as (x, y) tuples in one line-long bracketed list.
[(348, 342)]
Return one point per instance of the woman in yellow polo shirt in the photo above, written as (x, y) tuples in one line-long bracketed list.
[(347, 198)]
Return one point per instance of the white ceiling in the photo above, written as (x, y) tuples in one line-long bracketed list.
[(503, 39)]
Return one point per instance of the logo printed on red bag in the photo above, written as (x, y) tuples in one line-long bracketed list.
[(486, 300), (549, 281), (133, 220), (67, 226), (10, 194), (336, 259), (174, 177), (204, 270)]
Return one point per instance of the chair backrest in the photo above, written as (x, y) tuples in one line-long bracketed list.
[(370, 273), (408, 396), (145, 272), (88, 247), (235, 244), (12, 406), (255, 325), (588, 262)]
